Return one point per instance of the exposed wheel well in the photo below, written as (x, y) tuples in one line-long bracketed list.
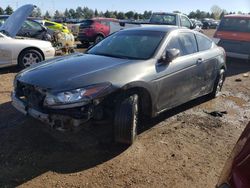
[(145, 100), (31, 48)]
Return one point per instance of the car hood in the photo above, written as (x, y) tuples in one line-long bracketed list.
[(14, 23), (73, 71)]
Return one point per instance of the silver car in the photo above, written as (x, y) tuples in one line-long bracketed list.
[(132, 73)]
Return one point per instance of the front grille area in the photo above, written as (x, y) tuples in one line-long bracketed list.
[(31, 95)]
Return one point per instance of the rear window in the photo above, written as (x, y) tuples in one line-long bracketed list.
[(235, 24), (86, 23), (167, 19)]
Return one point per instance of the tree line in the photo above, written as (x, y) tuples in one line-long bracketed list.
[(86, 13)]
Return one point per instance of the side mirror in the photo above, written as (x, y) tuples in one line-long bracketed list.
[(170, 55), (193, 26)]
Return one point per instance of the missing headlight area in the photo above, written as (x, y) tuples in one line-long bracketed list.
[(30, 100)]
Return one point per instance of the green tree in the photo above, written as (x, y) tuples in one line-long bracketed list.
[(121, 16), (47, 15), (107, 14), (222, 15), (72, 13), (136, 16), (192, 15), (79, 12), (88, 13), (147, 14), (66, 13), (57, 14), (8, 10), (1, 11), (129, 15), (216, 11), (96, 13)]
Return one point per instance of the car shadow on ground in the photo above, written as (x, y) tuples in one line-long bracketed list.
[(29, 148), (12, 69)]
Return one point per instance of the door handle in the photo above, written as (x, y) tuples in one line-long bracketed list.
[(199, 61)]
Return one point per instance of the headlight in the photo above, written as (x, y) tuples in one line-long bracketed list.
[(74, 98)]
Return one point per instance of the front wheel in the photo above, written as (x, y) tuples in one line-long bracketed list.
[(126, 120), (98, 39), (29, 57)]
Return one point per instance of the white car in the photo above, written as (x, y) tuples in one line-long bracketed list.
[(21, 51)]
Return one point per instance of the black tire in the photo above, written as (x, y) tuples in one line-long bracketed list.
[(98, 38), (218, 84), (85, 44), (29, 57), (126, 120)]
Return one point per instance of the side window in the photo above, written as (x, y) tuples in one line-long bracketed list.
[(185, 22), (175, 43), (31, 25), (203, 43), (188, 43), (106, 23), (47, 24)]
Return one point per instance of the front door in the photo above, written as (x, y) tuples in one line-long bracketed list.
[(178, 80)]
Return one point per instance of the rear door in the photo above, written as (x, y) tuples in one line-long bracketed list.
[(178, 80)]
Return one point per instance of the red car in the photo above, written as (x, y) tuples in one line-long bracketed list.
[(236, 173), (96, 29), (233, 34)]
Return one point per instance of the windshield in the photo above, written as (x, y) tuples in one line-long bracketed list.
[(167, 19), (235, 24), (129, 45), (86, 23)]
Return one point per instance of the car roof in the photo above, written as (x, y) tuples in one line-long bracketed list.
[(107, 19), (160, 28), (237, 16)]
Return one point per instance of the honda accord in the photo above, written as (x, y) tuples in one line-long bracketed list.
[(129, 75)]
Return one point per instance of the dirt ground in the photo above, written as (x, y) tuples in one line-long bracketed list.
[(184, 147)]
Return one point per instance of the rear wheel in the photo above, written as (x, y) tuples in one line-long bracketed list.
[(126, 120), (98, 39), (29, 57), (218, 84)]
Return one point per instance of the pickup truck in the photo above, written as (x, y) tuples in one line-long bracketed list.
[(178, 19)]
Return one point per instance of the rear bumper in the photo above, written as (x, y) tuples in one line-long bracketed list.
[(235, 49), (237, 55)]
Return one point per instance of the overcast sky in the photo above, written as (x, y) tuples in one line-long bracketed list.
[(184, 6)]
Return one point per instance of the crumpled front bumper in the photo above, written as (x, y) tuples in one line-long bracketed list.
[(57, 121)]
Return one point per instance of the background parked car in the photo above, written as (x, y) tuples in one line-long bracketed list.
[(32, 29), (233, 34), (130, 74), (197, 22), (21, 51), (209, 23), (54, 26), (95, 30)]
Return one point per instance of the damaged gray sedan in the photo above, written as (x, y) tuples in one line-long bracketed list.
[(130, 74)]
